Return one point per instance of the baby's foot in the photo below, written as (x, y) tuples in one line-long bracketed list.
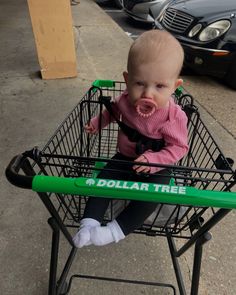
[(103, 235), (82, 237)]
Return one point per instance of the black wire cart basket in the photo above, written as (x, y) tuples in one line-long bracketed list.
[(64, 174)]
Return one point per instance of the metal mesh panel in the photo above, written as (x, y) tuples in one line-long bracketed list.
[(71, 152)]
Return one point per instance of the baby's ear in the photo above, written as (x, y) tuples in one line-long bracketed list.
[(125, 75), (178, 83)]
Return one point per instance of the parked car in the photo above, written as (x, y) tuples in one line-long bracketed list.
[(116, 3), (119, 3), (140, 10), (207, 32)]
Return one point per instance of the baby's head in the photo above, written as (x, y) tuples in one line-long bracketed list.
[(154, 63), (156, 47)]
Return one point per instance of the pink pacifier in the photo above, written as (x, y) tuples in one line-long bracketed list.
[(145, 107)]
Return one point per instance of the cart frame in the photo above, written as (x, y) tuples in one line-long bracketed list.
[(71, 153)]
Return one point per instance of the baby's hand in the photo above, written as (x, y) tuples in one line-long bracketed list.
[(138, 168), (90, 128)]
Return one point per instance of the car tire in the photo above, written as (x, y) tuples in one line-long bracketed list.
[(230, 77), (119, 3)]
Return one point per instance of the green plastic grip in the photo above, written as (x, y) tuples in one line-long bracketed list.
[(179, 91), (104, 83), (129, 190)]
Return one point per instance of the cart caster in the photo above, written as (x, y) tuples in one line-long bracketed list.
[(64, 289)]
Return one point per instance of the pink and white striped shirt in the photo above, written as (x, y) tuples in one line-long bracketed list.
[(168, 123)]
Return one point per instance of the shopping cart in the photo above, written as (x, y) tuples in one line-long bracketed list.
[(65, 173)]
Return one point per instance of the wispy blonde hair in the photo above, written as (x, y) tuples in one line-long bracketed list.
[(149, 45)]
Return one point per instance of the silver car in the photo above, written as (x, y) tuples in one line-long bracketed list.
[(141, 9)]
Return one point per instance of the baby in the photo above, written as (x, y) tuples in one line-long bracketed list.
[(154, 63)]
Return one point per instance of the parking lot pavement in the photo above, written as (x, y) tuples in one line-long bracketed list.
[(217, 99)]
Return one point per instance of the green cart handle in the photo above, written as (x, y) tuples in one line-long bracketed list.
[(152, 192), (117, 189)]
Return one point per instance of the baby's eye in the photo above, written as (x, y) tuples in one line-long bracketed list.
[(159, 86), (139, 83)]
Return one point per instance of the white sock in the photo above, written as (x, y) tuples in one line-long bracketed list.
[(103, 235), (82, 237)]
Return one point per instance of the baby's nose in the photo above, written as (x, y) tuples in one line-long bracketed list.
[(147, 93)]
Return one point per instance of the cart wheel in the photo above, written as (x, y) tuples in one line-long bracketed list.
[(64, 289)]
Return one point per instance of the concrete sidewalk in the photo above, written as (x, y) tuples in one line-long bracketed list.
[(31, 109)]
